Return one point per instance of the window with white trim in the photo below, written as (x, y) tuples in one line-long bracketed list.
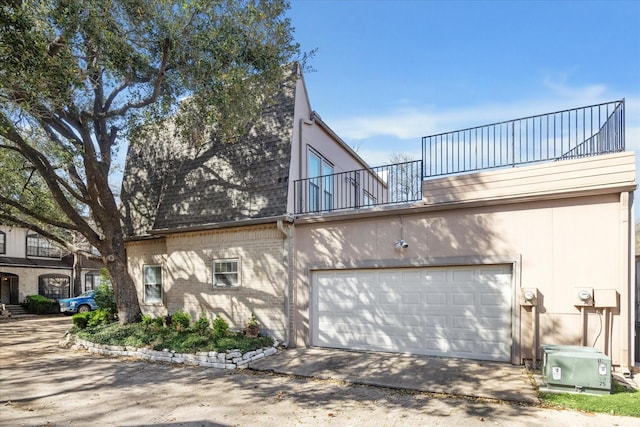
[(152, 284), (91, 281), (3, 242), (320, 172), (226, 272)]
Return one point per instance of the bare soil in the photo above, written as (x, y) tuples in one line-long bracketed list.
[(42, 384)]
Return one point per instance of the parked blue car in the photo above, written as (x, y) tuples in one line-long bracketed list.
[(80, 304)]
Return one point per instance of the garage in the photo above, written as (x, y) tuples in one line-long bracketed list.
[(439, 311)]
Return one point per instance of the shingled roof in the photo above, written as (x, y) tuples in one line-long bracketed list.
[(170, 185)]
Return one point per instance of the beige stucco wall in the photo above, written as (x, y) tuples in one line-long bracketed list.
[(556, 241), (187, 260)]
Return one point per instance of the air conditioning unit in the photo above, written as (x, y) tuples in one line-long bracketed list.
[(576, 369)]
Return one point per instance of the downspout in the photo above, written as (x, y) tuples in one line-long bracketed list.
[(288, 254), (281, 228)]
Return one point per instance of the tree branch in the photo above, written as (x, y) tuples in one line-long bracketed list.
[(157, 86), (37, 216), (45, 170)]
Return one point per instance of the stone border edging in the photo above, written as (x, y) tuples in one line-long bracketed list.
[(232, 359)]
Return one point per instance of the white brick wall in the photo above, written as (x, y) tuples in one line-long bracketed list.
[(187, 261)]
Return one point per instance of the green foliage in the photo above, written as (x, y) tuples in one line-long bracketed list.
[(37, 304), (146, 319), (202, 324), (105, 299), (81, 320), (220, 327), (242, 343), (91, 319), (180, 320), (150, 336), (621, 402), (100, 317), (253, 321)]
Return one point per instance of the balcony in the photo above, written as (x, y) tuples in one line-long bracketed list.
[(580, 132), (381, 185)]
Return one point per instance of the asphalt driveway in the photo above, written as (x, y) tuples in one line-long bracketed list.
[(42, 384)]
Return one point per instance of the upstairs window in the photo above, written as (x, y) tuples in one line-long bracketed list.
[(38, 246), (320, 172), (3, 242)]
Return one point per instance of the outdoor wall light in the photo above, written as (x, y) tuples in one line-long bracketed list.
[(529, 295), (401, 244)]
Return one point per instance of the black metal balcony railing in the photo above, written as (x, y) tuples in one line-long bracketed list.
[(397, 183), (580, 132)]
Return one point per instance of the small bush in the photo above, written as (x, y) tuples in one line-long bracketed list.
[(202, 324), (180, 320), (220, 327), (99, 317), (91, 319), (243, 343), (105, 299), (37, 304), (81, 320), (147, 320)]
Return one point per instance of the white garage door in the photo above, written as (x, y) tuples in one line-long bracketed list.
[(442, 311)]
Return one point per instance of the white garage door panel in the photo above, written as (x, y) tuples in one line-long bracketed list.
[(459, 311)]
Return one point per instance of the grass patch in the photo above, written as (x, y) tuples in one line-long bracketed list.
[(620, 402), (181, 340)]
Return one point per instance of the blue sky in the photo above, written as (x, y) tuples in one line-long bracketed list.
[(389, 72)]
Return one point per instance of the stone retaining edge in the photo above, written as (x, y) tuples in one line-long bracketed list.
[(232, 359)]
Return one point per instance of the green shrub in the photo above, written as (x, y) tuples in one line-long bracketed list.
[(91, 319), (180, 320), (139, 335), (37, 304), (242, 343), (147, 319), (220, 327), (106, 300), (202, 324), (99, 317), (81, 320)]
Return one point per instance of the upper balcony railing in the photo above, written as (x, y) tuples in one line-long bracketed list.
[(580, 132), (382, 185)]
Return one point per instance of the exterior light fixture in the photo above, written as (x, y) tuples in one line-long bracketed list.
[(401, 245)]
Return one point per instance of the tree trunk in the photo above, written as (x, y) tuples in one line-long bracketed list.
[(124, 290), (114, 256)]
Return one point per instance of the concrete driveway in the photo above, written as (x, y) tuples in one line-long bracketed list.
[(42, 384), (497, 381)]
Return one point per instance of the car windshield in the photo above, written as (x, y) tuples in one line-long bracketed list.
[(86, 294)]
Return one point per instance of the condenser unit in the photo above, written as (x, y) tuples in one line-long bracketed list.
[(576, 369)]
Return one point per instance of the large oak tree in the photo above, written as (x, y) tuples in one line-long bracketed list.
[(78, 77)]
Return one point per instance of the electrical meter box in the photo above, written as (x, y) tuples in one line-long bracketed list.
[(576, 369)]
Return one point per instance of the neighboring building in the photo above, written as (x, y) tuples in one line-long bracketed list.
[(32, 265), (429, 257)]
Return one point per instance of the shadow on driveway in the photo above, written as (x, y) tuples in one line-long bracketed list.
[(499, 381)]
